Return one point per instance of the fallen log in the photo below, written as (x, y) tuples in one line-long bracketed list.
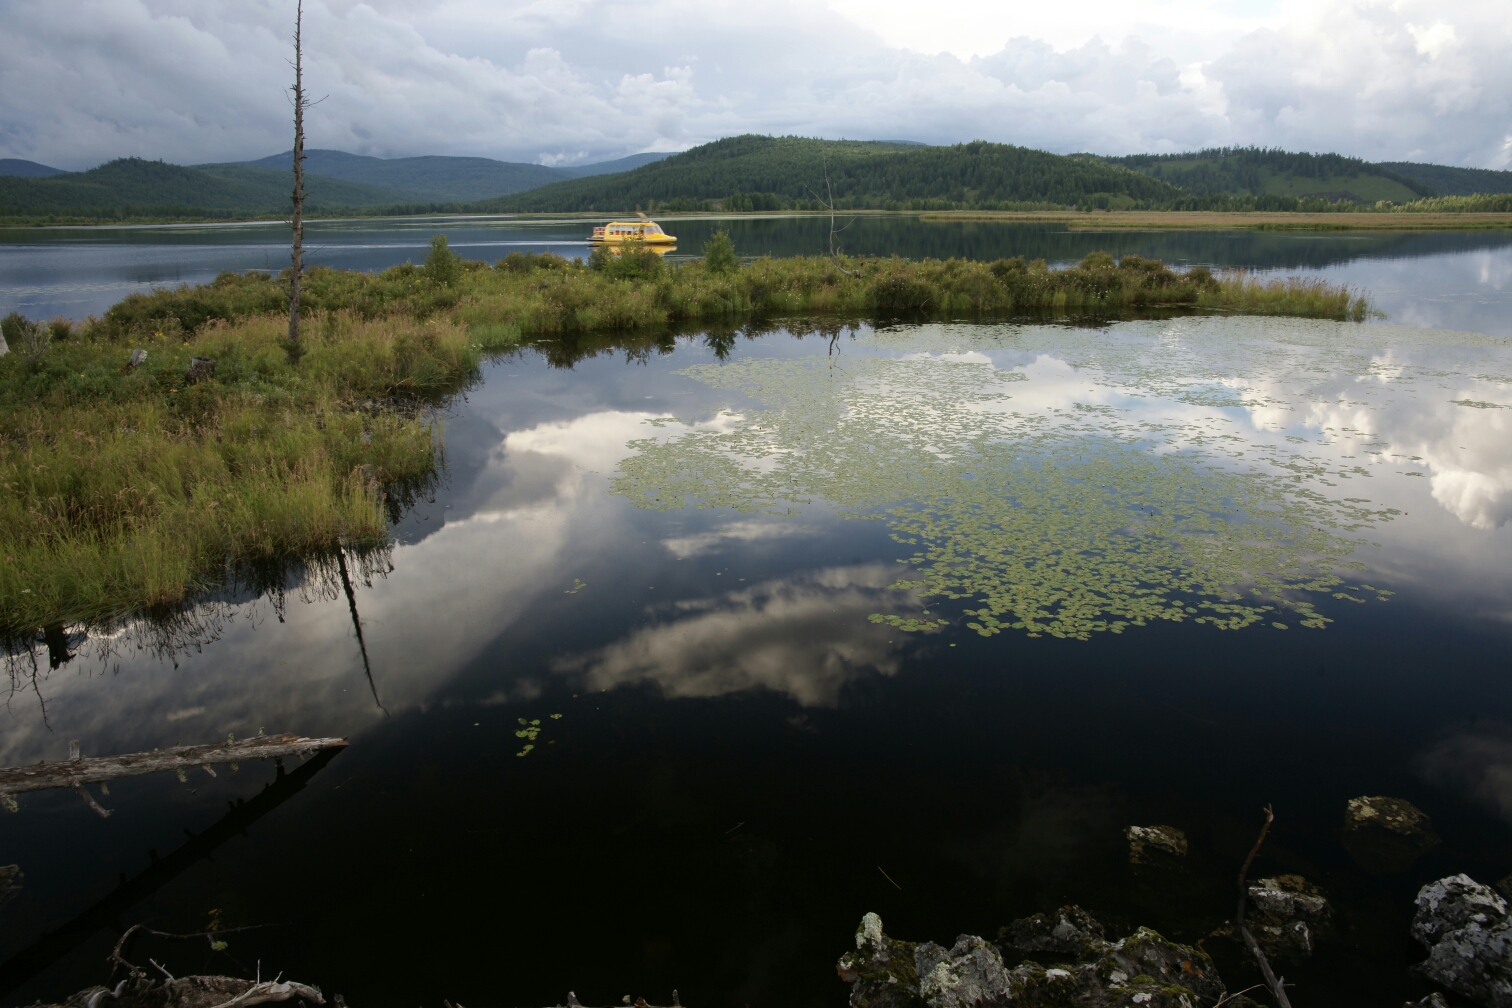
[(238, 820), (77, 771)]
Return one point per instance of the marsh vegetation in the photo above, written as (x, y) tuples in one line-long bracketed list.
[(129, 486)]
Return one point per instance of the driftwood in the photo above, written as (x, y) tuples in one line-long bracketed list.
[(239, 818), (1277, 986), (76, 771)]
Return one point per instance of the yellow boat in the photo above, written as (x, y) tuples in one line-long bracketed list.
[(645, 231)]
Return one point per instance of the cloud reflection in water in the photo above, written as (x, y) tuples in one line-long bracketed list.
[(805, 636)]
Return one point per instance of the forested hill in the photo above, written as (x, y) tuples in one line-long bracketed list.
[(149, 186), (1448, 181), (1258, 171), (772, 173)]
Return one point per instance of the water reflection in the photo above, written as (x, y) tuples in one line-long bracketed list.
[(728, 672), (805, 637)]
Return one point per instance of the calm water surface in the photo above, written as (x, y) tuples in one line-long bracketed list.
[(912, 619), (1448, 280)]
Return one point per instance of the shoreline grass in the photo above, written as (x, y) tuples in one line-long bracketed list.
[(125, 489)]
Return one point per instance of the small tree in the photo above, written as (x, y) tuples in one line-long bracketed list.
[(719, 253), (442, 264)]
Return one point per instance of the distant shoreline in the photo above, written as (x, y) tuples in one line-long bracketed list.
[(1075, 220)]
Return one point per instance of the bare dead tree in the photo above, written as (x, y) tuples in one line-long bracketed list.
[(829, 202), (300, 104), (1277, 986)]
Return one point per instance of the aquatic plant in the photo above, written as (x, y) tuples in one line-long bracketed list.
[(1061, 521)]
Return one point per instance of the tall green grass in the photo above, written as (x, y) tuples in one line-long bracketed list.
[(123, 489)]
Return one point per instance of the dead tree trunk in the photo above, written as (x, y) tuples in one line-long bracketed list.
[(829, 202), (77, 771), (300, 104)]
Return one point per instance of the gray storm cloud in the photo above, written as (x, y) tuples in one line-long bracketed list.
[(202, 80)]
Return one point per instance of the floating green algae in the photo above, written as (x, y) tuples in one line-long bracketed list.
[(1059, 518)]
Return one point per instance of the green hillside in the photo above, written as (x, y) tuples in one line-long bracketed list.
[(1447, 181), (148, 185), (772, 173), (432, 179), (1256, 171)]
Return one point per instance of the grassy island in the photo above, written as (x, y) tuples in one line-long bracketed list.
[(131, 485)]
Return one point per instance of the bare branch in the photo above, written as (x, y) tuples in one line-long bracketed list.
[(1277, 986)]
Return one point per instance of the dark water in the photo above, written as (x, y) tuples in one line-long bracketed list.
[(679, 544), (1452, 280)]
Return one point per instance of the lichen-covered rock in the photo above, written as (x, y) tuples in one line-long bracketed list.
[(1140, 971), (1288, 916), (1386, 835), (881, 971), (1468, 934), (1068, 931), (1146, 953), (969, 974), (1156, 846)]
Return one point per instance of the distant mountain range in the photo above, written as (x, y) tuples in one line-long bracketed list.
[(736, 173), (335, 181), (26, 169), (439, 179)]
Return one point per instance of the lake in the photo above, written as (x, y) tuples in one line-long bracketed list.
[(708, 642), (1437, 279)]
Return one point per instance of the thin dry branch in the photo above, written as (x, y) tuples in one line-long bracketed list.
[(1277, 985)]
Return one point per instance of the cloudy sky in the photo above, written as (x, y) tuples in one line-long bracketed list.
[(569, 81)]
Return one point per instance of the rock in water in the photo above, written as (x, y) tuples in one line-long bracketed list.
[(1434, 1000), (969, 974), (1156, 846), (881, 971), (11, 877), (1468, 934), (1385, 835), (1068, 931), (1288, 916), (1143, 970)]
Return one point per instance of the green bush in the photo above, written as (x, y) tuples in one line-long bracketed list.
[(719, 253), (442, 265), (631, 261)]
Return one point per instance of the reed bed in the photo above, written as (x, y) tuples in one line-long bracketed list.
[(127, 488), (1248, 294), (131, 488)]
